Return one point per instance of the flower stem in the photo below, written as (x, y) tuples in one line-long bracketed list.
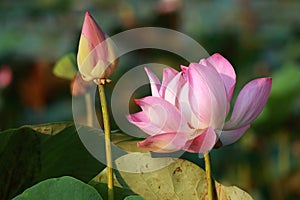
[(107, 142), (89, 115), (211, 191)]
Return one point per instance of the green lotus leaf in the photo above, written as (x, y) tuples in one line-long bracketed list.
[(64, 188)]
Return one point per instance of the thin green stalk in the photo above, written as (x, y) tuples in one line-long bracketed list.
[(89, 115), (211, 191), (107, 142)]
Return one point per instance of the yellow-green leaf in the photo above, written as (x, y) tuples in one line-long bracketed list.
[(126, 142), (154, 179), (66, 67)]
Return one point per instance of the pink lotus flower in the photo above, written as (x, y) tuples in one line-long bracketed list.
[(187, 111), (6, 76), (95, 58)]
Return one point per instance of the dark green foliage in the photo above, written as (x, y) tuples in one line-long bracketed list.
[(31, 154)]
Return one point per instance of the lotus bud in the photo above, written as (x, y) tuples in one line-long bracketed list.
[(96, 56)]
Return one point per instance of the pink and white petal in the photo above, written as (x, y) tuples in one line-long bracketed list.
[(154, 82), (250, 102), (92, 31), (99, 69), (164, 143), (184, 70), (228, 137), (96, 39), (141, 120), (163, 114), (207, 95), (225, 69), (173, 89), (203, 142), (168, 75), (185, 108)]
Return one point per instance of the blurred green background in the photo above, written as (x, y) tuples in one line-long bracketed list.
[(259, 38)]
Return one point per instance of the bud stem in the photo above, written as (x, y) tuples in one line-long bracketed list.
[(211, 190), (89, 115), (107, 141)]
